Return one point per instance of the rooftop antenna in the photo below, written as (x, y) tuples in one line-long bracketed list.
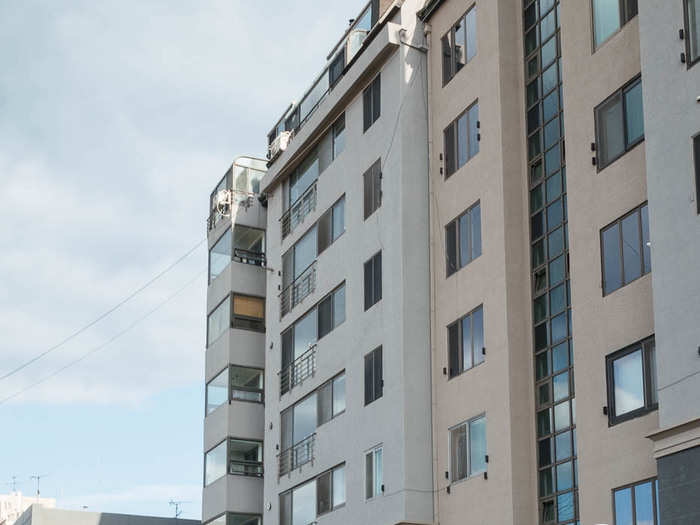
[(38, 480), (14, 483), (177, 505)]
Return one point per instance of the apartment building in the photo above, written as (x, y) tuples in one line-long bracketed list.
[(235, 353), (472, 312)]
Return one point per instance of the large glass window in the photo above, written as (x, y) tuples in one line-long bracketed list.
[(637, 504), (372, 185), (463, 239), (248, 244), (459, 45), (303, 504), (619, 123), (692, 15), (373, 280), (609, 16), (466, 342), (248, 312), (374, 473), (626, 252), (217, 391), (245, 458), (461, 139), (331, 225), (468, 449), (374, 376), (631, 375), (339, 136), (220, 255), (371, 102), (215, 463), (247, 384), (218, 321), (303, 177)]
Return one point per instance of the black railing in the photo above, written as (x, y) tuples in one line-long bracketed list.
[(302, 367), (295, 293), (248, 257), (299, 209), (296, 455), (240, 467)]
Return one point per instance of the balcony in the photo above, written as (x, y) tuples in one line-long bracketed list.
[(243, 256), (239, 467), (296, 455), (302, 367), (295, 293), (298, 211), (340, 57)]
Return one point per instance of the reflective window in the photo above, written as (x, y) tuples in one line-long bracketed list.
[(374, 473), (372, 185), (459, 45), (303, 505), (374, 377), (626, 254), (220, 255), (637, 504), (373, 280), (215, 463), (692, 8), (303, 177), (247, 384), (217, 391), (631, 375), (371, 102), (339, 136), (245, 458), (468, 449), (248, 244), (219, 321), (331, 311), (466, 342), (331, 225), (609, 16), (463, 239), (461, 139), (619, 123)]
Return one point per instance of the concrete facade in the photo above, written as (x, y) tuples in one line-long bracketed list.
[(672, 119), (14, 504), (39, 515)]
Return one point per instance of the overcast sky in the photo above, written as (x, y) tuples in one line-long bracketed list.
[(117, 118)]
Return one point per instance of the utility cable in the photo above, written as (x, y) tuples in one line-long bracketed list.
[(105, 314), (106, 343)]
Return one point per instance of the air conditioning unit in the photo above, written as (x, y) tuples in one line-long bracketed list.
[(279, 144), (354, 42)]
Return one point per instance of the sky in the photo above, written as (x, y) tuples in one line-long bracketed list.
[(117, 119)]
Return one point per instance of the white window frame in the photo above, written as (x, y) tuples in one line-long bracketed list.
[(470, 474), (373, 452)]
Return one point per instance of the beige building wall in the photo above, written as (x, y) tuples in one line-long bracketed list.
[(501, 387), (609, 457)]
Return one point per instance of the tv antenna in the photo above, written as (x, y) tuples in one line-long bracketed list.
[(177, 505), (38, 481)]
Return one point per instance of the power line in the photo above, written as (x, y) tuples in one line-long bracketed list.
[(105, 314), (106, 343)]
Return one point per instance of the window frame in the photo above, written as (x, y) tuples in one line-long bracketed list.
[(227, 298), (260, 391), (450, 35), (468, 468), (374, 298), (372, 189), (329, 216), (628, 146), (618, 223), (457, 240), (623, 8), (260, 464), (453, 127), (686, 21), (376, 355), (204, 469), (372, 102), (654, 494), (336, 131), (460, 342), (647, 347), (260, 327), (373, 453), (206, 390), (290, 493)]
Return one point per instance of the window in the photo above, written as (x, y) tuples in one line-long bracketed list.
[(248, 245), (373, 281), (374, 473), (459, 45), (461, 139), (331, 399), (626, 249), (465, 340), (468, 449), (331, 225), (303, 504), (631, 374), (236, 519), (248, 312), (219, 320), (692, 25), (371, 102), (247, 384), (374, 378), (215, 463), (220, 255), (463, 239), (609, 16), (372, 180), (637, 504), (339, 136), (245, 458), (303, 178), (331, 311), (619, 123), (217, 391), (335, 70), (696, 148)]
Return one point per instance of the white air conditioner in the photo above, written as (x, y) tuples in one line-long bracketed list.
[(279, 144)]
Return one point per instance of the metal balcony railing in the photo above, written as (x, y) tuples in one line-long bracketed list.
[(302, 367), (247, 257), (302, 286), (245, 468), (296, 455), (298, 210)]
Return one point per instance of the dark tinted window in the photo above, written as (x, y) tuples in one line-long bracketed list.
[(372, 188), (696, 147), (371, 103), (625, 249), (461, 139), (463, 239), (373, 280), (374, 382), (466, 342)]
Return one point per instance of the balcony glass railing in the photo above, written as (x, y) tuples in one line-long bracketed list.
[(295, 293), (303, 367), (243, 177), (340, 56), (297, 455)]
